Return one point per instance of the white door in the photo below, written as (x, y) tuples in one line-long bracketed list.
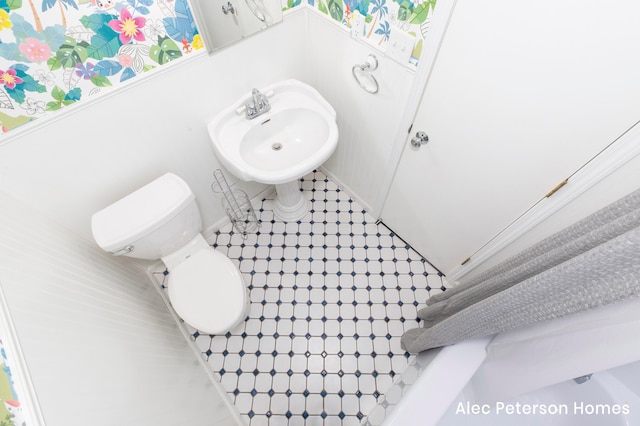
[(522, 94)]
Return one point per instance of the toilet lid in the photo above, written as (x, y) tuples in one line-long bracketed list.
[(207, 291)]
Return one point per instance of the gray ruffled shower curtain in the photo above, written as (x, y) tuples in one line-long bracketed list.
[(593, 262)]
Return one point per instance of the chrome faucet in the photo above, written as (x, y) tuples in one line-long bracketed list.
[(260, 105)]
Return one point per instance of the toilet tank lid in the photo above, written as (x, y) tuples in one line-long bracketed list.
[(141, 212)]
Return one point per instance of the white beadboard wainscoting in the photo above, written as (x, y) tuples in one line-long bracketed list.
[(99, 343), (106, 148), (368, 122)]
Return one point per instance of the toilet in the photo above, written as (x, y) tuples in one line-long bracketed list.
[(161, 221)]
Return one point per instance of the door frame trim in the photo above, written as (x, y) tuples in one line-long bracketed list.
[(17, 364), (440, 22), (624, 149)]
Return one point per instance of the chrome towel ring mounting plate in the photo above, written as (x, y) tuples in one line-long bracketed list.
[(364, 77)]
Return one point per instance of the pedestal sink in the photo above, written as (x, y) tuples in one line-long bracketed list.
[(297, 134)]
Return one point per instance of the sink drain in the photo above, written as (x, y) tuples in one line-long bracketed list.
[(276, 146)]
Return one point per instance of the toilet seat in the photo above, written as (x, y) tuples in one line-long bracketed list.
[(207, 292)]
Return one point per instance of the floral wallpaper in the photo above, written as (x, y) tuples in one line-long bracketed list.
[(54, 53), (380, 16)]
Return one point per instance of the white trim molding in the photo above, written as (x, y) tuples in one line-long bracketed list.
[(18, 365), (624, 149), (440, 22)]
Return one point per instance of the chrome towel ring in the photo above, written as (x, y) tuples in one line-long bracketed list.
[(364, 77)]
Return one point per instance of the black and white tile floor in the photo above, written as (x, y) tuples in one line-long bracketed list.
[(330, 297)]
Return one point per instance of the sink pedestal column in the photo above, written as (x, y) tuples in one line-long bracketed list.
[(290, 204)]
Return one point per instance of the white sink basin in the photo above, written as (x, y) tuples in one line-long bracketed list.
[(298, 134)]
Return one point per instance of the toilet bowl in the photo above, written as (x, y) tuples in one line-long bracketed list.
[(205, 288), (161, 220)]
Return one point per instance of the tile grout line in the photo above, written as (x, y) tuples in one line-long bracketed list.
[(368, 302)]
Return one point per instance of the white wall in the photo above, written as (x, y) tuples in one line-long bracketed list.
[(99, 343), (368, 123), (87, 158)]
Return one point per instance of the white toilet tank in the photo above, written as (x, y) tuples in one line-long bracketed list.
[(150, 223)]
